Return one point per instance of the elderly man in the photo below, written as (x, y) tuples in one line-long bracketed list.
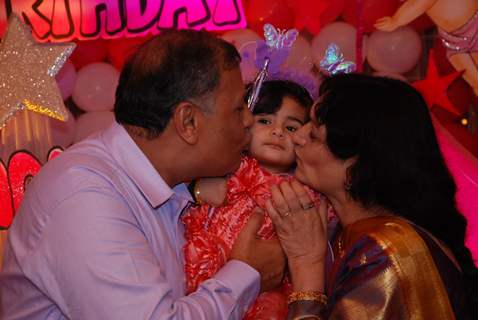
[(98, 235)]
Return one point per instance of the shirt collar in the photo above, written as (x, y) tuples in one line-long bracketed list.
[(137, 166)]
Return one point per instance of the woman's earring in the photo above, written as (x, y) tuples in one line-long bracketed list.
[(348, 180), (348, 184)]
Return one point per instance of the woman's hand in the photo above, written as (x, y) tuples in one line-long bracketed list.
[(302, 231)]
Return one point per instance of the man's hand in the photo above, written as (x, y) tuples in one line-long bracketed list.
[(266, 256)]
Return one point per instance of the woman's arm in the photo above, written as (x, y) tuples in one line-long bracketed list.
[(302, 230)]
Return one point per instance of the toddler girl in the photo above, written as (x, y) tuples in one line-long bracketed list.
[(282, 108)]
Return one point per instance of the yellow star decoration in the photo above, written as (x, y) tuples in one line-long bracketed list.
[(27, 73)]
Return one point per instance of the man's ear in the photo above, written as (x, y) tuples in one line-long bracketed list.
[(186, 121)]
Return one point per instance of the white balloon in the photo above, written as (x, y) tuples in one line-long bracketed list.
[(300, 56), (92, 122), (240, 37), (390, 75), (95, 87), (397, 51)]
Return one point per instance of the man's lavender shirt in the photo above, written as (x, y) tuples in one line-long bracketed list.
[(99, 236)]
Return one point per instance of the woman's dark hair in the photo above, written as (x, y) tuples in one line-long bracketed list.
[(273, 92), (172, 67), (386, 125)]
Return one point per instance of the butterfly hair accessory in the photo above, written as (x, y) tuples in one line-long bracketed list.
[(334, 62), (276, 46), (270, 54), (279, 39)]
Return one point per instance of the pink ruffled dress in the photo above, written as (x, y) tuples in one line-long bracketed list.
[(210, 233)]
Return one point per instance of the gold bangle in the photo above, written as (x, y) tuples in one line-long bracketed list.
[(197, 193), (318, 296)]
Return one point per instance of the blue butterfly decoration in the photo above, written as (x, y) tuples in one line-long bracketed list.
[(334, 62)]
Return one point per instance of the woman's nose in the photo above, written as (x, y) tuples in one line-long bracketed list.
[(247, 118)]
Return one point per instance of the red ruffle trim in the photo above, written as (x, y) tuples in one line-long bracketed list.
[(210, 233)]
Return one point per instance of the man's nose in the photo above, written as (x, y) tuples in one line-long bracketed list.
[(248, 118)]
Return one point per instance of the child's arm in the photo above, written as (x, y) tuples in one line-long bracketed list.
[(211, 191), (408, 11)]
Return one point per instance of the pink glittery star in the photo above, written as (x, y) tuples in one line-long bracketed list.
[(27, 73)]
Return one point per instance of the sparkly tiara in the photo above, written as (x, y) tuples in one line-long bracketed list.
[(270, 54)]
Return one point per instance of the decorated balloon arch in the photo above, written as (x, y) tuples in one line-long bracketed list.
[(385, 37)]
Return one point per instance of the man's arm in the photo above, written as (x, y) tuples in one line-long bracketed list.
[(210, 190), (99, 265), (408, 11)]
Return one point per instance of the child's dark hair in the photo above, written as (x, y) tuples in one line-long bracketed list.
[(273, 92)]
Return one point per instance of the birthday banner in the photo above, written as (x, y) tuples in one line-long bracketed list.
[(65, 20)]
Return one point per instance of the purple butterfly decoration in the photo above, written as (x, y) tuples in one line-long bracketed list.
[(270, 54), (334, 62), (276, 47)]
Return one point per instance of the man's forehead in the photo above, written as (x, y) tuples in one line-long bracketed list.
[(231, 83)]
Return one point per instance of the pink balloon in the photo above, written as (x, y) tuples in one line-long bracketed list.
[(240, 37), (95, 87), (397, 51), (300, 56), (464, 168), (92, 122), (63, 132), (340, 33), (66, 79)]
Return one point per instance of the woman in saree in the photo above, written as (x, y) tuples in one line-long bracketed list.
[(397, 247)]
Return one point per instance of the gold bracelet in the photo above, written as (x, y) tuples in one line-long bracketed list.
[(318, 296), (197, 193)]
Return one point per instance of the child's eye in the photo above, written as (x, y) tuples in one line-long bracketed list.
[(264, 121), (291, 129)]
